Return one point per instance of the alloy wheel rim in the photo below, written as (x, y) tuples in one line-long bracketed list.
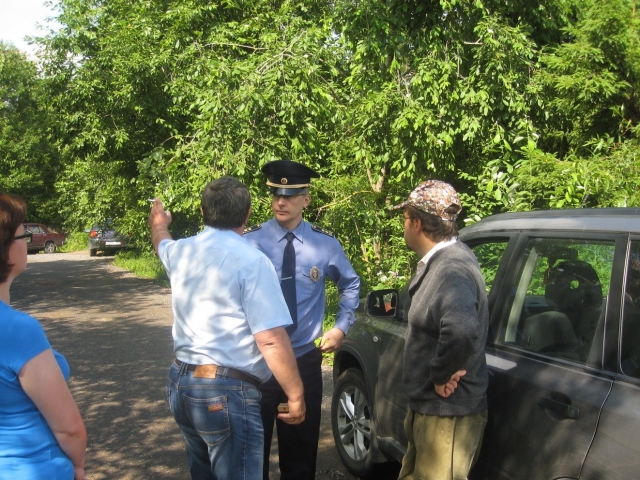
[(354, 423)]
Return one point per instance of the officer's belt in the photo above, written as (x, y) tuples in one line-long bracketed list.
[(212, 371)]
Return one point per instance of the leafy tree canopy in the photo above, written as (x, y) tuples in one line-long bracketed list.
[(28, 160), (519, 104)]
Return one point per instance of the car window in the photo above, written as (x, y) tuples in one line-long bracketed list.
[(382, 303), (630, 346), (35, 229), (489, 255), (558, 297)]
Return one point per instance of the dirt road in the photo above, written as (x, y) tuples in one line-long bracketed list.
[(115, 331)]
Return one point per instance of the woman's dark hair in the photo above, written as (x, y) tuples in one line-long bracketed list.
[(225, 203), (13, 211), (436, 228)]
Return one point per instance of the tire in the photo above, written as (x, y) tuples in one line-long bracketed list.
[(92, 252), (352, 422), (49, 247)]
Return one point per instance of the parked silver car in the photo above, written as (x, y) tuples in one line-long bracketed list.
[(563, 352)]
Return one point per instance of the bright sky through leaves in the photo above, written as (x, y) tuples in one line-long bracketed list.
[(18, 18)]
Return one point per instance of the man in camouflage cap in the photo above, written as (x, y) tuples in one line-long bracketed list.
[(445, 374), (434, 197)]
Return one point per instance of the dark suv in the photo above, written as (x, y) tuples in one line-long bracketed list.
[(563, 352), (106, 239)]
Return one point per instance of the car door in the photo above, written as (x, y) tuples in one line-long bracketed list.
[(391, 402), (615, 451), (546, 388), (38, 237)]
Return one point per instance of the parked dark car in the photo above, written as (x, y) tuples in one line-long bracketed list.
[(563, 352), (106, 238), (43, 238)]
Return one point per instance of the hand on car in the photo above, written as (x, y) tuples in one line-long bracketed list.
[(297, 412), (448, 388), (331, 340)]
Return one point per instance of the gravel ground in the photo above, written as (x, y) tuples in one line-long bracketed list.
[(115, 331)]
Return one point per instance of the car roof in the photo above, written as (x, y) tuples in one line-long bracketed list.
[(588, 219)]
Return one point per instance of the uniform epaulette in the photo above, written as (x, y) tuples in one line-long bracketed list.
[(253, 229), (323, 230)]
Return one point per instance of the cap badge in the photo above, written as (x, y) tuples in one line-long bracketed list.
[(314, 274), (284, 181)]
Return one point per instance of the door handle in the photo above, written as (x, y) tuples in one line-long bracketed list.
[(568, 411)]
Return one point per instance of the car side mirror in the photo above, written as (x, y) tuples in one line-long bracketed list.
[(382, 303)]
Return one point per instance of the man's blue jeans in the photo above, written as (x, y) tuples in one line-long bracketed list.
[(221, 424)]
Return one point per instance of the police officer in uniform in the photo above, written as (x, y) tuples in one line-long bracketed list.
[(303, 255)]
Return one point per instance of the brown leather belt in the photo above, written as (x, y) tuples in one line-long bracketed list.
[(212, 371)]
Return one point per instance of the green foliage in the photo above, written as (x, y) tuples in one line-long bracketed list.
[(76, 241), (608, 178), (585, 150), (591, 84), (489, 256), (105, 71), (28, 160), (437, 90), (259, 87)]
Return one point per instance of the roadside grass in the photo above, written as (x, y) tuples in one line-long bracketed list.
[(75, 241), (142, 264)]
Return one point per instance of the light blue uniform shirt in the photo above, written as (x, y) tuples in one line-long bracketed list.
[(223, 292), (313, 249)]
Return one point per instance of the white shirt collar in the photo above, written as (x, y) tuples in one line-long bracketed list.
[(438, 246)]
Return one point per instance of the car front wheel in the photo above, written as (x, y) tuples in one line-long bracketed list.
[(351, 421), (49, 247), (92, 252)]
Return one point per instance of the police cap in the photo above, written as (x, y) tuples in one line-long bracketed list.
[(285, 177)]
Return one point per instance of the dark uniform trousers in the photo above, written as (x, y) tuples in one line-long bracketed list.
[(297, 444)]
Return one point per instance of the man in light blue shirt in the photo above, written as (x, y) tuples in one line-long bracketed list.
[(304, 255), (229, 336)]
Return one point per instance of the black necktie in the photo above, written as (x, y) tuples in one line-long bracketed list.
[(288, 281)]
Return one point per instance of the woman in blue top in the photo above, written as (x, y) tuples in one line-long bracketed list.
[(42, 435)]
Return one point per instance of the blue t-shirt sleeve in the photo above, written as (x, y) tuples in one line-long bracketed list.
[(25, 340), (262, 300)]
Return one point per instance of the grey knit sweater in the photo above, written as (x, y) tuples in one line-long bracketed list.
[(448, 325)]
